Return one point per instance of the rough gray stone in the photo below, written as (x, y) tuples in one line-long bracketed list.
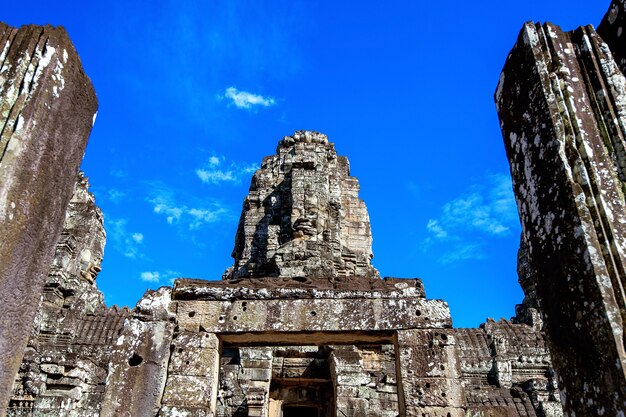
[(562, 107), (47, 107), (303, 217)]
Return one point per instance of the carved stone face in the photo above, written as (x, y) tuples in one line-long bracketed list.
[(303, 216), (89, 265)]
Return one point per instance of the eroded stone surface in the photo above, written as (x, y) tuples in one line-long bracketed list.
[(302, 324), (303, 216), (47, 105), (612, 28), (561, 102), (260, 346)]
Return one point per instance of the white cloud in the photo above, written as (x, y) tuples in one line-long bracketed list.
[(463, 252), (246, 100), (434, 227), (168, 276), (162, 205), (203, 216), (150, 276), (193, 216), (218, 171), (115, 195), (214, 161), (486, 210), (125, 242), (215, 176)]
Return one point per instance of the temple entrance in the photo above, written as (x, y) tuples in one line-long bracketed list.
[(301, 383), (300, 412)]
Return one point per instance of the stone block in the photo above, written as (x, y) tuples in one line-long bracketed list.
[(562, 109), (178, 411), (433, 392), (412, 411), (257, 374), (194, 355), (308, 315), (184, 390)]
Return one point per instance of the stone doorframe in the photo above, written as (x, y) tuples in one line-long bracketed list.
[(427, 368)]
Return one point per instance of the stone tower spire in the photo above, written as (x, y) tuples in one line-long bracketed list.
[(303, 216)]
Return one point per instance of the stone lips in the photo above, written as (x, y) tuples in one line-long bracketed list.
[(47, 109), (303, 217)]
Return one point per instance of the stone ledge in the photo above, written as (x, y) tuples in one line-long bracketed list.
[(271, 288)]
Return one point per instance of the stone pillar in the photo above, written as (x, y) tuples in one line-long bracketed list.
[(428, 373), (47, 109), (257, 371), (612, 29), (138, 369), (561, 100), (347, 375), (193, 376)]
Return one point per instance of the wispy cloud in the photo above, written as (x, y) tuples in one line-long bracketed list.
[(245, 99), (155, 276), (217, 171), (137, 237), (128, 243), (149, 276), (192, 216), (115, 196), (486, 210)]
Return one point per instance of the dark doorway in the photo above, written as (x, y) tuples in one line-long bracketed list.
[(300, 412)]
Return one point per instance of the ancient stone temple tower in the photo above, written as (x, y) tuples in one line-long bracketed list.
[(302, 325), (303, 216)]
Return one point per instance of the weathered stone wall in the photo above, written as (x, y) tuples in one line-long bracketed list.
[(66, 360), (612, 28), (561, 100), (47, 108), (261, 346), (301, 324)]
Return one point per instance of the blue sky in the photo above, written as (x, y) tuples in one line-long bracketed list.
[(194, 94)]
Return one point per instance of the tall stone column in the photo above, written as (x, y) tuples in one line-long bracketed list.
[(562, 107), (612, 29), (47, 109)]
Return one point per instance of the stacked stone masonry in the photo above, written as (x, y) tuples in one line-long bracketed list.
[(303, 325), (333, 345), (303, 216)]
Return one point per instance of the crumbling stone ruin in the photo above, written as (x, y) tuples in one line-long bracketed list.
[(281, 340), (47, 107), (302, 324), (561, 102)]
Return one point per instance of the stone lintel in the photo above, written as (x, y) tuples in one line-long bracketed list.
[(312, 315), (306, 338), (292, 288)]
